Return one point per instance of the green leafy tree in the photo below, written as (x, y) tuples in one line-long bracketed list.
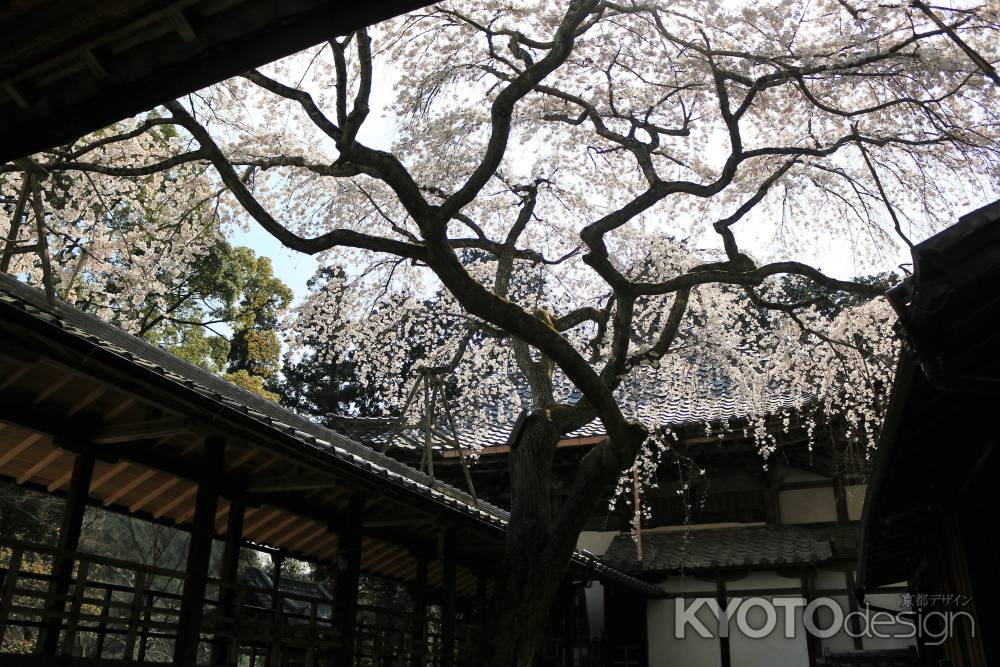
[(230, 291)]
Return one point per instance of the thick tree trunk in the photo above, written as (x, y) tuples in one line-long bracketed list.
[(538, 548)]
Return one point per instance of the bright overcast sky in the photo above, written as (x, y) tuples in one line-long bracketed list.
[(838, 259)]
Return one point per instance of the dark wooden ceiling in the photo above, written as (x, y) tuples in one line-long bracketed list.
[(69, 67)]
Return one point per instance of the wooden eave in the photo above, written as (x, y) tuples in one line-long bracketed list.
[(70, 67)]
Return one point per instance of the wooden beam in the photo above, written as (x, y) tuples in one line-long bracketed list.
[(42, 463), (192, 490), (286, 483), (69, 540), (182, 26), (227, 574), (144, 430), (349, 561), (482, 602), (261, 520), (154, 494), (262, 467), (274, 657), (17, 375), (249, 454), (390, 559), (59, 482), (108, 475), (274, 528), (448, 607), (52, 388), (287, 538), (19, 448), (222, 516), (320, 540), (419, 627), (120, 408), (86, 400), (126, 488), (199, 552)]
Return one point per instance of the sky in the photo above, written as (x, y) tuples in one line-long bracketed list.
[(835, 257)]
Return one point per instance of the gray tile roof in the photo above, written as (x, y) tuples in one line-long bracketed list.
[(706, 397), (721, 548)]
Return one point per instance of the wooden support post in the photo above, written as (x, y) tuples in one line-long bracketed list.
[(482, 602), (228, 575), (103, 623), (9, 586), (448, 610), (274, 656), (349, 564), (199, 552), (568, 603), (69, 540), (813, 646), (854, 621), (840, 498), (725, 657), (418, 656)]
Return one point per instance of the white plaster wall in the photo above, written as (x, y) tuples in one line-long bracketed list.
[(855, 500), (830, 579), (695, 651), (593, 596), (596, 541), (774, 650), (807, 506), (824, 616), (667, 651)]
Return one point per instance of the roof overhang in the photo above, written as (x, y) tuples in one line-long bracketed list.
[(938, 426), (70, 67)]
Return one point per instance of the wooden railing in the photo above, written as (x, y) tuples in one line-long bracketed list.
[(110, 607), (121, 610)]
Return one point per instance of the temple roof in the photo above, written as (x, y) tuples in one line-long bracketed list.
[(752, 547)]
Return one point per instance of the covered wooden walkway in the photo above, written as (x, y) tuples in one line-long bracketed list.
[(101, 418)]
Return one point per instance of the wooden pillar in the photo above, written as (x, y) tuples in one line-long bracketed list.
[(69, 540), (199, 552), (418, 658), (277, 627), (568, 603), (448, 601), (725, 658), (813, 647), (854, 622), (349, 566), (228, 575), (840, 499), (482, 602)]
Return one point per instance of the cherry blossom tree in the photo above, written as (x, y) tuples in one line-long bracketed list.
[(589, 197)]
